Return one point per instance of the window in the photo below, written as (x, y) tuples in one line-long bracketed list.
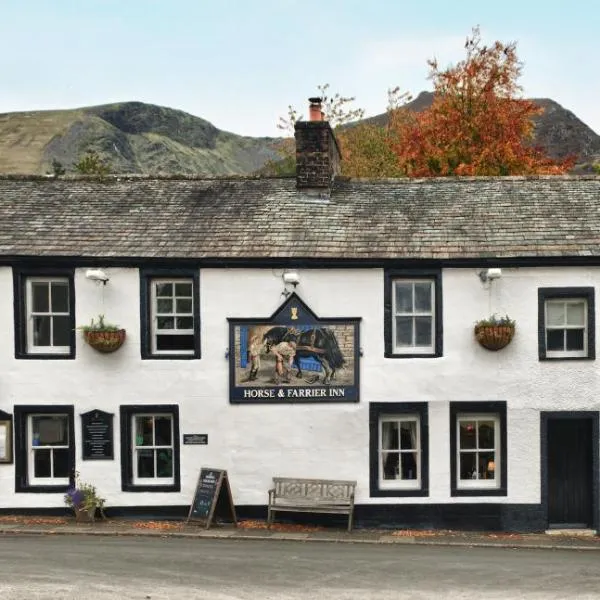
[(478, 448), (566, 323), (399, 449), (44, 314), (413, 310), (45, 450), (150, 448), (170, 315)]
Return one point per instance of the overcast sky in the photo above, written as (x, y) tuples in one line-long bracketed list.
[(239, 63)]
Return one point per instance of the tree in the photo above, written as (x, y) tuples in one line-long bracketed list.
[(92, 164)]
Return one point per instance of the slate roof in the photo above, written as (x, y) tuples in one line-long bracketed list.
[(235, 218)]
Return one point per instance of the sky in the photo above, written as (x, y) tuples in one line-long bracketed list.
[(240, 63)]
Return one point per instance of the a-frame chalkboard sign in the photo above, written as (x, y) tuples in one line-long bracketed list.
[(212, 499)]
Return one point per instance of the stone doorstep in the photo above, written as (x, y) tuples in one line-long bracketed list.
[(572, 532)]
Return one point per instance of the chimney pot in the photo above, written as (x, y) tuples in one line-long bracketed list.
[(314, 110)]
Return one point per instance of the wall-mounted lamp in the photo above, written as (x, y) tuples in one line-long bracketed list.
[(97, 275), (289, 277), (490, 274)]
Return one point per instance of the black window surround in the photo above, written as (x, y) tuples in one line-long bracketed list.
[(585, 293), (392, 275), (20, 277), (496, 409), (147, 276), (376, 410), (127, 413), (21, 444)]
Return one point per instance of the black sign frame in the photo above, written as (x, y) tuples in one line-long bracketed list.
[(91, 441), (212, 498)]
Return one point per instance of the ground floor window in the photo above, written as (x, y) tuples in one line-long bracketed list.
[(399, 449), (150, 448), (45, 450), (478, 448)]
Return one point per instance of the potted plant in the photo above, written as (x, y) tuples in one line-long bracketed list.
[(494, 333), (84, 500), (103, 336)]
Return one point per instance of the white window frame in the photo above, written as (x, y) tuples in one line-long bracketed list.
[(150, 481), (469, 484), (414, 349), (566, 353), (154, 316), (31, 449), (31, 348), (399, 484)]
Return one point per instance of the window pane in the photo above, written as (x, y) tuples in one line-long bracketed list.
[(576, 313), (143, 431), (391, 465), (41, 463), (423, 297), (164, 305), (59, 292), (184, 322), (61, 462), (162, 431), (575, 339), (165, 323), (404, 301), (409, 465), (467, 435), (61, 331), (555, 339), (555, 314), (164, 463), (404, 327), (183, 305), (183, 289), (389, 433), (39, 297), (145, 463), (408, 435), (175, 342), (486, 434), (41, 331), (50, 430), (423, 331), (164, 289), (468, 467), (487, 465)]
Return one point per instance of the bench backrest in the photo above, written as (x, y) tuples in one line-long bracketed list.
[(314, 489)]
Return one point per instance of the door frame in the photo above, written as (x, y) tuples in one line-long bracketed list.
[(545, 417)]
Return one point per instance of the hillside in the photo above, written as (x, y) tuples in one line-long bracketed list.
[(144, 138), (135, 138)]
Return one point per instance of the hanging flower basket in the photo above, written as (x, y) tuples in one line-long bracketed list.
[(102, 336), (494, 333)]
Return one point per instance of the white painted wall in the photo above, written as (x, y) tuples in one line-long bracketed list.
[(257, 442)]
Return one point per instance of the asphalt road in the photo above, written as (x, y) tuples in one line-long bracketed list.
[(91, 568)]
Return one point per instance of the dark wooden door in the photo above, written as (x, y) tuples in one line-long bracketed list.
[(570, 472)]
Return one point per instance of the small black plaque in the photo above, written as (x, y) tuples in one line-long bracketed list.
[(97, 435), (195, 439)]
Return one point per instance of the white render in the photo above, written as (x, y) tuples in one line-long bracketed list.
[(256, 442)]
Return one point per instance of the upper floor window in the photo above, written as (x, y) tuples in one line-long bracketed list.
[(170, 315), (44, 314), (566, 323), (413, 314)]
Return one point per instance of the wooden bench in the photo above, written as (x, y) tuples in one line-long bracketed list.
[(312, 496)]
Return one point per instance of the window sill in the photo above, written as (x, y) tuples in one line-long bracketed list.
[(479, 492), (398, 493), (194, 356), (131, 487), (559, 358), (42, 489), (45, 356), (411, 355)]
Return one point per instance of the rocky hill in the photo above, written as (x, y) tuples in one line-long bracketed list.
[(143, 138)]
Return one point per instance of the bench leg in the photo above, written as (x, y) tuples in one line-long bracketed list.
[(350, 514), (269, 517)]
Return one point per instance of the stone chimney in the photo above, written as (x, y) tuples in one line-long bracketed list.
[(317, 153)]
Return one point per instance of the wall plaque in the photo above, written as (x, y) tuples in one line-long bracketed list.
[(97, 435), (195, 439)]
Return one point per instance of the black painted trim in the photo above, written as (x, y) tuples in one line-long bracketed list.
[(21, 447), (567, 292), (146, 278), (126, 413), (495, 408), (376, 409), (392, 275), (545, 417), (4, 416), (20, 276)]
